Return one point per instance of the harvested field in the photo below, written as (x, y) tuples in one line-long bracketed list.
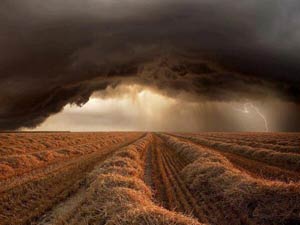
[(286, 159), (149, 178), (44, 150)]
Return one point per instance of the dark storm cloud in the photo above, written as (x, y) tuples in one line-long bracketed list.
[(58, 52)]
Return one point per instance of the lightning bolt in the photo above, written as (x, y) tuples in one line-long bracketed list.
[(248, 106)]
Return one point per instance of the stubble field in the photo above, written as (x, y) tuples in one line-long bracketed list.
[(117, 178)]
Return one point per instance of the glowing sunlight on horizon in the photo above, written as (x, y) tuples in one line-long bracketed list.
[(136, 109)]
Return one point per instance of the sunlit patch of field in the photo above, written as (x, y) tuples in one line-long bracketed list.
[(149, 178)]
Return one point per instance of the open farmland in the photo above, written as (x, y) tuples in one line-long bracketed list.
[(149, 178)]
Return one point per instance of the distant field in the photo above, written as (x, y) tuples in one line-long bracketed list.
[(116, 178)]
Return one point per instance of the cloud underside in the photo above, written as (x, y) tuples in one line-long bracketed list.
[(56, 53)]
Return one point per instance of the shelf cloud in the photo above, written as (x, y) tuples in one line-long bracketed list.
[(59, 52)]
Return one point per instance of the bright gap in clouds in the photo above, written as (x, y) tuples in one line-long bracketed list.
[(138, 108), (125, 108)]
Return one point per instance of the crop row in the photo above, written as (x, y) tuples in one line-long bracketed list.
[(23, 143), (13, 165), (289, 161), (243, 199), (262, 170), (283, 139), (182, 199), (253, 143), (118, 194), (25, 201)]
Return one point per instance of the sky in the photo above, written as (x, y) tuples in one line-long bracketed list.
[(205, 65), (139, 108)]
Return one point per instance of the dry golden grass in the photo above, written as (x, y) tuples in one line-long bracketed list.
[(22, 143), (23, 199), (16, 164), (119, 196), (246, 200), (282, 142), (135, 179), (288, 160)]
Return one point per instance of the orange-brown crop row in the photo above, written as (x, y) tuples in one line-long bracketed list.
[(23, 143), (158, 179), (286, 160), (118, 195), (25, 198), (17, 164), (243, 199), (252, 142)]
